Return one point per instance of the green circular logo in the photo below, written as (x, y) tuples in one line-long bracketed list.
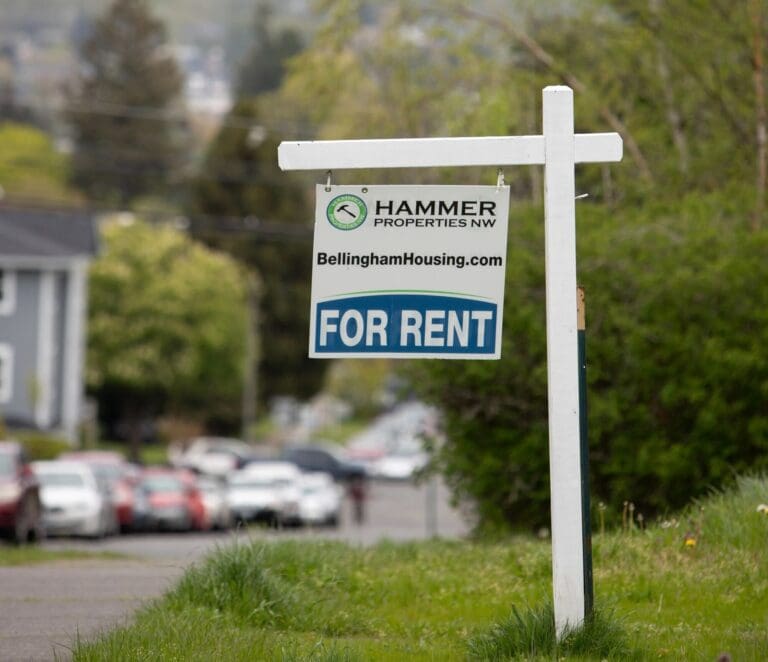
[(346, 212)]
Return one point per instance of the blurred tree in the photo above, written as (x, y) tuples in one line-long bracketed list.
[(363, 384), (677, 367), (264, 65), (673, 268), (241, 180), (167, 328), (676, 326), (30, 167), (699, 73), (124, 109)]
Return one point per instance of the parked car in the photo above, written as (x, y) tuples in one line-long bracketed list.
[(168, 499), (325, 458), (266, 492), (320, 501), (402, 464), (117, 474), (213, 456), (73, 500), (214, 494), (21, 517)]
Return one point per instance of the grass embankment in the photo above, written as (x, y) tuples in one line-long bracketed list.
[(660, 597), (30, 554)]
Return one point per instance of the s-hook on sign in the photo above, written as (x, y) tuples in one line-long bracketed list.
[(409, 271)]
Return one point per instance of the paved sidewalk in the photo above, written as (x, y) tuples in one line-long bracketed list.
[(43, 607)]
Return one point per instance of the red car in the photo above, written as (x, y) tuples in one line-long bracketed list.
[(169, 499), (119, 475), (20, 511)]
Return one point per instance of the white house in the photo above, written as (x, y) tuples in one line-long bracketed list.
[(44, 257)]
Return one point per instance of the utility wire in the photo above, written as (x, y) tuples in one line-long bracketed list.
[(107, 109), (197, 224)]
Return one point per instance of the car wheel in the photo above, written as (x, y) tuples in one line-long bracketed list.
[(23, 526), (114, 523), (226, 522), (188, 524), (37, 530), (100, 531)]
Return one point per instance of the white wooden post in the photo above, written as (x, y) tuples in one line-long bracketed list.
[(562, 357), (558, 149)]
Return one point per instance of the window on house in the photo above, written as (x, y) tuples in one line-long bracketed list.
[(7, 291), (6, 373)]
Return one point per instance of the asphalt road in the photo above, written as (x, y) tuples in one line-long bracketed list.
[(43, 608)]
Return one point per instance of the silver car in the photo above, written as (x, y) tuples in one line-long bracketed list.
[(265, 491), (73, 500)]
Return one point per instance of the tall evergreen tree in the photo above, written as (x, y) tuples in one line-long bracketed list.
[(263, 68), (123, 112), (241, 180)]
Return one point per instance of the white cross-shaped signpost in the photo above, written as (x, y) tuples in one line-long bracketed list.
[(558, 150)]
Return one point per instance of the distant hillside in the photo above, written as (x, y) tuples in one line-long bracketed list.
[(224, 22)]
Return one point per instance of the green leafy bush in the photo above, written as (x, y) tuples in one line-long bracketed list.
[(40, 446), (677, 331)]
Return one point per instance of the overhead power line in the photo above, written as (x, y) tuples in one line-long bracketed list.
[(107, 109), (198, 224)]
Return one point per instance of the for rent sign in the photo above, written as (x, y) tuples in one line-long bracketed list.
[(409, 271)]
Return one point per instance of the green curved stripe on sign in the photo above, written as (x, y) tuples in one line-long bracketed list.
[(457, 294)]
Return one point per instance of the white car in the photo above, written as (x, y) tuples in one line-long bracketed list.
[(265, 491), (321, 499), (213, 456), (73, 500), (400, 465)]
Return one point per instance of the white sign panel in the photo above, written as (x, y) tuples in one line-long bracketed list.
[(409, 271)]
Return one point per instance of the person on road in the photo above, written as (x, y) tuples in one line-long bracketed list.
[(357, 493)]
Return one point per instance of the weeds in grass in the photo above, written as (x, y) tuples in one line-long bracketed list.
[(237, 581), (730, 518), (531, 634), (320, 652), (289, 585)]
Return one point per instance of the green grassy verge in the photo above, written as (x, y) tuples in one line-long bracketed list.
[(341, 433), (29, 554), (150, 453), (659, 598)]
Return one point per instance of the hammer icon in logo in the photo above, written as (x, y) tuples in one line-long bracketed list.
[(345, 208)]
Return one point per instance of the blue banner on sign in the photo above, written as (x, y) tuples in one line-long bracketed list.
[(405, 323)]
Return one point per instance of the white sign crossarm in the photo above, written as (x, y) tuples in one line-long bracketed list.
[(440, 152)]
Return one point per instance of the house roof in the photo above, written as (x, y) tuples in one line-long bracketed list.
[(46, 233)]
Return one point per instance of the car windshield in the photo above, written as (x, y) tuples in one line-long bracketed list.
[(7, 464), (162, 484), (108, 472), (62, 479)]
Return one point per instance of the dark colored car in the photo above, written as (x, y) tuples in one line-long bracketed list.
[(315, 457), (20, 510)]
